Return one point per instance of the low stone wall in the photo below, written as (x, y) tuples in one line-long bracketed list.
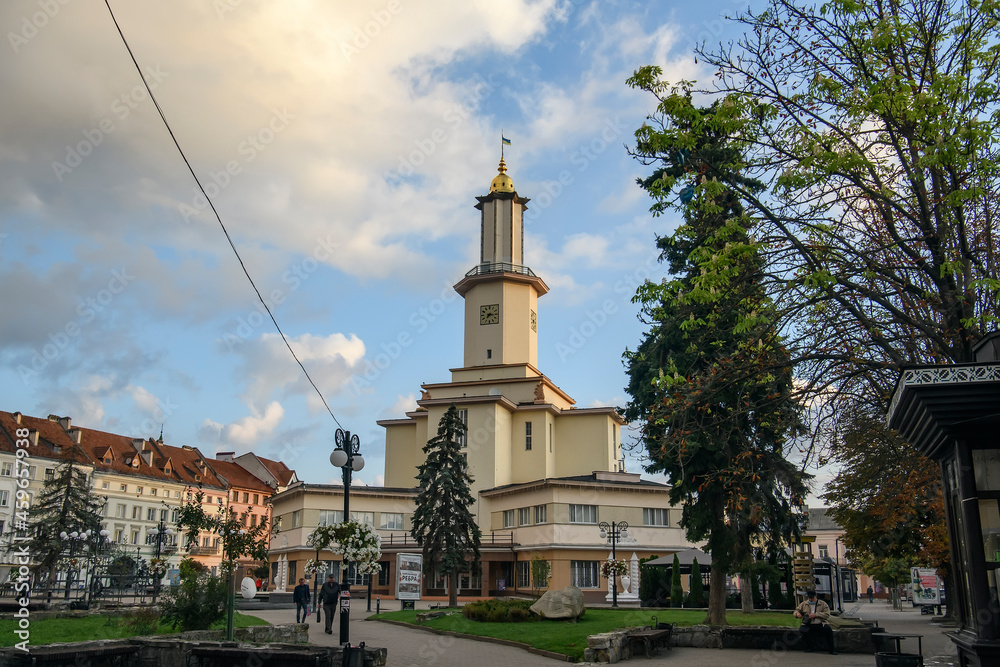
[(697, 636), (610, 647)]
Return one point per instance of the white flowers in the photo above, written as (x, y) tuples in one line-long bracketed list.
[(609, 568)]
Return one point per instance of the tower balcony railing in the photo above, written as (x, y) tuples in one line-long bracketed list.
[(499, 267)]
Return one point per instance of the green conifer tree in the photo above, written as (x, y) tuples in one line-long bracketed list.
[(442, 521), (676, 592), (697, 596)]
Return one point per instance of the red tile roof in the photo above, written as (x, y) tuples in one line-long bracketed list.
[(54, 442), (239, 477)]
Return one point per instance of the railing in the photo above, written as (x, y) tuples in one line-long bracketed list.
[(499, 267), (203, 551), (491, 540)]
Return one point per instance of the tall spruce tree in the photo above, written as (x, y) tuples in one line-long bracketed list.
[(711, 382), (65, 504), (442, 522)]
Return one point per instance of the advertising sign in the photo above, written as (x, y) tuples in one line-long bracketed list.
[(409, 568), (926, 586)]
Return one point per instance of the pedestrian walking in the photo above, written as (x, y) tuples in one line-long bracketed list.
[(871, 595), (328, 595), (814, 614), (300, 596)]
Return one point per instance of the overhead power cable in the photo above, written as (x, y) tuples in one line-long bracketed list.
[(214, 211)]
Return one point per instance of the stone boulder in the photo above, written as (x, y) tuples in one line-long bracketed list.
[(565, 604)]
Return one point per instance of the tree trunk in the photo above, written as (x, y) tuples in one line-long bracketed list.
[(453, 589), (717, 597), (746, 594)]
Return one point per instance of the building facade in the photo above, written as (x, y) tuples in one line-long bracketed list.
[(545, 472)]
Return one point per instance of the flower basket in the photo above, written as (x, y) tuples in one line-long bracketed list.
[(359, 544), (610, 568)]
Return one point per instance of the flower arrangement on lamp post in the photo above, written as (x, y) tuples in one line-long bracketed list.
[(611, 568)]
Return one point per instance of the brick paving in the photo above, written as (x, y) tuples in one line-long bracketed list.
[(408, 647)]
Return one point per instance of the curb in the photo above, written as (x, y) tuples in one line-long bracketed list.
[(478, 638)]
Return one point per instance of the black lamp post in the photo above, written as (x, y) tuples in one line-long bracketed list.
[(346, 457), (73, 538), (614, 531), (159, 534)]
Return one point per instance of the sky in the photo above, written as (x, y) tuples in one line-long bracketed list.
[(343, 145)]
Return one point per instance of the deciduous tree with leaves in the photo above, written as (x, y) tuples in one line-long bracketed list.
[(711, 382), (443, 524)]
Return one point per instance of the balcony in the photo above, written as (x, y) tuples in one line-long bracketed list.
[(203, 551), (499, 267), (491, 540)]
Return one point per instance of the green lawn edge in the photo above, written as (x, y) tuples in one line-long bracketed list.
[(570, 639), (92, 627)]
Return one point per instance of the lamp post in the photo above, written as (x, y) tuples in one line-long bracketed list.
[(346, 457), (159, 534), (74, 538), (613, 531)]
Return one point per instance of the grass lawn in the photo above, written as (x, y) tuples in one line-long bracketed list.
[(85, 628), (571, 638)]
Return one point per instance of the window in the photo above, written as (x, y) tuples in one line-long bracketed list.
[(655, 517), (253, 520), (391, 521), (524, 574), (4, 498), (527, 435), (118, 534), (463, 440), (296, 518), (583, 573), (508, 519), (330, 517), (204, 541), (824, 551), (175, 515), (550, 438), (177, 494), (138, 490), (136, 512), (363, 517), (163, 514), (152, 492), (256, 499), (524, 516), (540, 514), (124, 488), (354, 578), (383, 574), (31, 472), (120, 512), (8, 469), (135, 537), (218, 501), (246, 497), (2, 523), (50, 474), (104, 485), (583, 514), (151, 514)]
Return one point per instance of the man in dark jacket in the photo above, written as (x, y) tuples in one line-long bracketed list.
[(300, 596), (328, 595)]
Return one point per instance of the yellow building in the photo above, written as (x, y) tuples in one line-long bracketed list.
[(545, 472)]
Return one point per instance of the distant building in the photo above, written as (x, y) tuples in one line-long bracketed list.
[(829, 548)]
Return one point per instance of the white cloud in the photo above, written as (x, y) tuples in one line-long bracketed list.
[(250, 430)]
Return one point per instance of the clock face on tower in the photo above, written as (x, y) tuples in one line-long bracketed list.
[(534, 322), (489, 314)]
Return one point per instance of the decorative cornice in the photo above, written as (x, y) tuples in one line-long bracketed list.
[(941, 375)]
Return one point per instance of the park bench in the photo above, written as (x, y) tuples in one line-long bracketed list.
[(651, 638)]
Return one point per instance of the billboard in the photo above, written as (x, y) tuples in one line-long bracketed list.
[(409, 568), (926, 586)]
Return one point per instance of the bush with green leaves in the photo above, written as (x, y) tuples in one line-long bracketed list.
[(496, 610), (199, 600), (143, 621)]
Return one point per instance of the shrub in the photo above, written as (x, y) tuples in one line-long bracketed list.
[(496, 610), (697, 595), (143, 621), (676, 592), (197, 603)]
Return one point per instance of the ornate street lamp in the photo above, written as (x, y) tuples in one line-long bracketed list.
[(346, 457), (614, 531), (159, 534)]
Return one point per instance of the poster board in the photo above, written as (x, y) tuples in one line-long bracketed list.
[(409, 576), (926, 586)]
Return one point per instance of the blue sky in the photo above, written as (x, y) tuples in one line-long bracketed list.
[(344, 148)]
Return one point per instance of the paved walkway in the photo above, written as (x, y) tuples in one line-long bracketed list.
[(416, 648)]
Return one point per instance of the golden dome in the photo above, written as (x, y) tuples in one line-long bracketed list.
[(501, 182)]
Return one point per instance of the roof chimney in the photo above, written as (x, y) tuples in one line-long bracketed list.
[(33, 437), (225, 456), (76, 434), (17, 417), (137, 444)]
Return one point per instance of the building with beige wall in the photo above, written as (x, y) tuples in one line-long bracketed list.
[(545, 472)]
